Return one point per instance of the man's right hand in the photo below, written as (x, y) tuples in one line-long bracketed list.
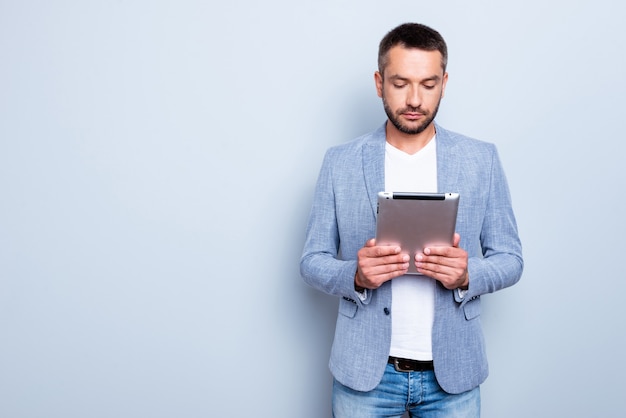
[(378, 264)]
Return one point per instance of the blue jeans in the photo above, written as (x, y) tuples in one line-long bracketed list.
[(398, 392)]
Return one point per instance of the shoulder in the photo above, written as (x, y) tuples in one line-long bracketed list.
[(459, 143), (455, 138), (355, 146)]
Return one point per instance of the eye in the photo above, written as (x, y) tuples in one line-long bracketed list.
[(399, 85), (429, 86)]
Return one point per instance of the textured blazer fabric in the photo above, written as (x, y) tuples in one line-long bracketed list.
[(343, 218)]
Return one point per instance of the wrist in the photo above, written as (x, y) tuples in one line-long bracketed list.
[(465, 284), (358, 288)]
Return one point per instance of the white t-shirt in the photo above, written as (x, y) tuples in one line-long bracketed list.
[(413, 297)]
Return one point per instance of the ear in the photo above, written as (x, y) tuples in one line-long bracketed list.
[(443, 84), (378, 79)]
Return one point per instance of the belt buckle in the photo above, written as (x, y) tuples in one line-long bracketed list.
[(398, 367)]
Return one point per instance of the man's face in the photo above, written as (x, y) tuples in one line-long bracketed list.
[(411, 88)]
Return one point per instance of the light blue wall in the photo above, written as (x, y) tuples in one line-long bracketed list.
[(147, 265)]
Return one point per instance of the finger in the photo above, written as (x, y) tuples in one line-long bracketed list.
[(430, 268), (399, 259), (377, 275), (436, 251), (456, 240), (443, 251), (376, 265), (440, 264), (431, 263), (440, 273), (385, 250), (390, 271)]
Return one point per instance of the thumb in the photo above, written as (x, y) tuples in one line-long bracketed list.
[(456, 240)]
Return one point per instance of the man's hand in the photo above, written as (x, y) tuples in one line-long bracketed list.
[(445, 264), (378, 264)]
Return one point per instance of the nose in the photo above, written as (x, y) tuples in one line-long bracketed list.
[(414, 98)]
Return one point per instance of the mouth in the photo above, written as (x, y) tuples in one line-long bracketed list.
[(413, 115)]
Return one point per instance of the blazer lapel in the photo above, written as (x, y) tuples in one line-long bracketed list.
[(374, 165), (448, 163)]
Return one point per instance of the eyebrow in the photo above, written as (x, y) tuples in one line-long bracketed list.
[(435, 78)]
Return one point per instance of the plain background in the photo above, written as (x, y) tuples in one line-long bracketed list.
[(157, 164)]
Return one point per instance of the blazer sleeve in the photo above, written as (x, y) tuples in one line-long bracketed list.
[(501, 263), (321, 265)]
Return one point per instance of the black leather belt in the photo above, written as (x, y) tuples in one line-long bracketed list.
[(407, 365)]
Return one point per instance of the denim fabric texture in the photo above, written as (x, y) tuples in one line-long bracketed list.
[(399, 392)]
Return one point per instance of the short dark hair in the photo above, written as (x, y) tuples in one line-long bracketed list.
[(412, 35)]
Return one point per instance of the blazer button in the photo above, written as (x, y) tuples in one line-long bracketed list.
[(386, 310)]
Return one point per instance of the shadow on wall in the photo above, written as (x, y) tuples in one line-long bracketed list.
[(312, 331), (350, 112), (364, 110)]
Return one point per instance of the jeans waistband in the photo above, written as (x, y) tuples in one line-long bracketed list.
[(408, 365)]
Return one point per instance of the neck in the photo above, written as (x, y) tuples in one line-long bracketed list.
[(409, 143)]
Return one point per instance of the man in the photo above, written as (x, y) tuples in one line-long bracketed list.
[(406, 342)]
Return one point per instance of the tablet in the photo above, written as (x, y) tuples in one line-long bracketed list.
[(415, 221)]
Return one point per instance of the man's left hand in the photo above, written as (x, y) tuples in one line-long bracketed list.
[(445, 264)]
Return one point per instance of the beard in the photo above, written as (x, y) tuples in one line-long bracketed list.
[(395, 118)]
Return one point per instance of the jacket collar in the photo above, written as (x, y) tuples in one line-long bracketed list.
[(448, 167)]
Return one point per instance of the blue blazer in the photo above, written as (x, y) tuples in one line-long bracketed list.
[(343, 218)]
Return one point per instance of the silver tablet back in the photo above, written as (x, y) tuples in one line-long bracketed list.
[(416, 220)]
